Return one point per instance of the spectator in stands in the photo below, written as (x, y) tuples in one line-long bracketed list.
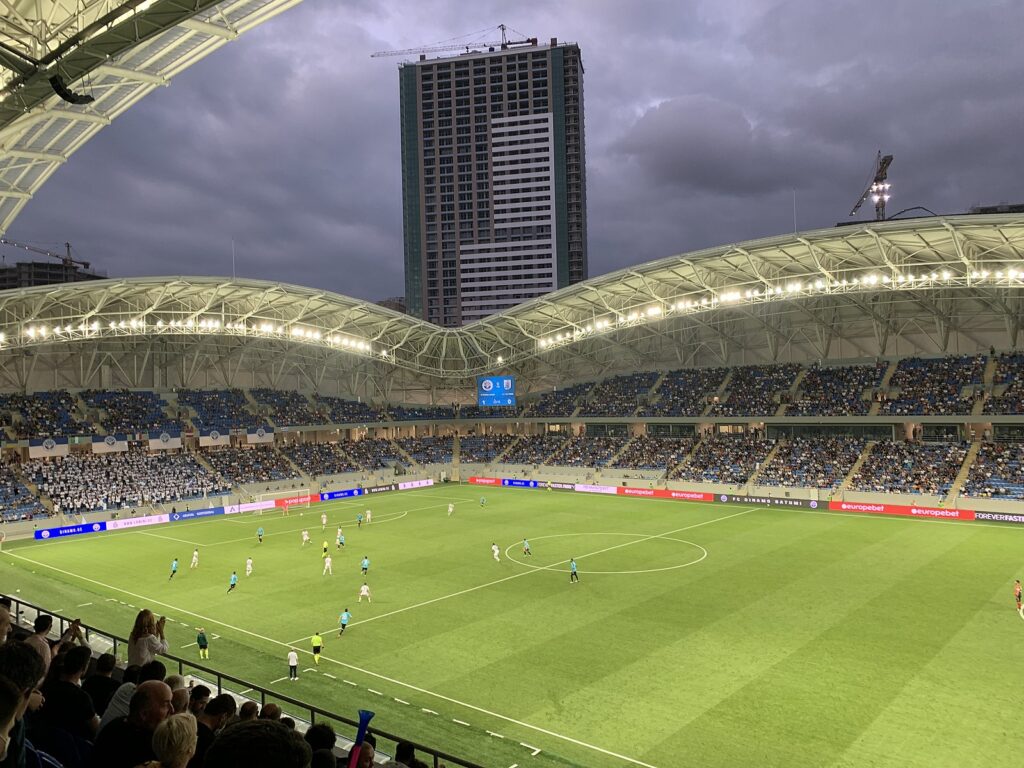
[(405, 754), (132, 678), (147, 638), (68, 707), (128, 741), (320, 736), (40, 641), (250, 710), (270, 712), (5, 623), (101, 685), (258, 744), (174, 742), (198, 698), (21, 665), (365, 756), (209, 722), (323, 758), (10, 704), (288, 723)]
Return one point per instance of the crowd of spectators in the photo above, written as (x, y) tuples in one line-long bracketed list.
[(45, 414), (256, 464), (421, 412), (374, 453), (483, 449), (85, 482), (684, 392), (337, 410), (490, 412), (1008, 379), (128, 411), (643, 452), (286, 408), (997, 472), (16, 501), (837, 391), (729, 459), (321, 458), (755, 390), (219, 409), (535, 449), (428, 450), (583, 451), (896, 466), (933, 386), (561, 402), (619, 395), (812, 462)]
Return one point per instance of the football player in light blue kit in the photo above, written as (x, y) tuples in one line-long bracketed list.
[(365, 565), (233, 581), (526, 548), (573, 576), (174, 568), (343, 621)]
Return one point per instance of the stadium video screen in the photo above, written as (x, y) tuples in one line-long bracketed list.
[(493, 391)]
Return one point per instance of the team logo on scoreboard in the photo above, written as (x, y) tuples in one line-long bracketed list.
[(487, 385)]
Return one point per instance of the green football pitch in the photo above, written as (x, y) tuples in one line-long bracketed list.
[(698, 634)]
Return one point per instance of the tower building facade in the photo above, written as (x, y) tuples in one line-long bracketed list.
[(493, 179)]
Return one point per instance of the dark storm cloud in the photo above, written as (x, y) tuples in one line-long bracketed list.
[(703, 120)]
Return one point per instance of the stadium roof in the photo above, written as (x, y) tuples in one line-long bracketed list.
[(921, 286), (114, 50)]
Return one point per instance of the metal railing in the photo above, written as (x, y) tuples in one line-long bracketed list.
[(252, 690)]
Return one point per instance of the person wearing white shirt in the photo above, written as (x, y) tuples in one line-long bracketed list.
[(293, 665), (147, 638)]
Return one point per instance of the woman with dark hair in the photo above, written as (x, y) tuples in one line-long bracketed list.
[(10, 705)]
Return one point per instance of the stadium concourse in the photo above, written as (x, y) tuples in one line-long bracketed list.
[(802, 371)]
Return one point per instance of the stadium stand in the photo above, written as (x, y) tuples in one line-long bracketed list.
[(338, 410), (684, 392), (258, 464), (428, 450), (754, 390), (374, 453), (421, 412), (535, 449), (933, 386), (286, 408), (130, 411), (812, 462), (1009, 376), (320, 458), (219, 409), (45, 414), (645, 452), (619, 395), (727, 459), (904, 467), (484, 449), (997, 472), (836, 391), (583, 451), (559, 403), (16, 501), (492, 412), (84, 482)]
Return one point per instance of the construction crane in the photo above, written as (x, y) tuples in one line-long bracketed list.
[(878, 189), (65, 258), (504, 44)]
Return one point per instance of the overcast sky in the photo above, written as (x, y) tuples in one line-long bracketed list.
[(702, 118)]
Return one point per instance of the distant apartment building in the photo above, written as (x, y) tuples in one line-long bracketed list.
[(493, 179)]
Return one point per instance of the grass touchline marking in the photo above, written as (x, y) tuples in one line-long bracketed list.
[(410, 686), (461, 722)]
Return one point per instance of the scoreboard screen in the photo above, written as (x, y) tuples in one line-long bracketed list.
[(492, 391)]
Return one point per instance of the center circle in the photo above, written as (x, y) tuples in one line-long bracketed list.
[(637, 536)]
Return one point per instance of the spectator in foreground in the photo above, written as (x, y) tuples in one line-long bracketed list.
[(214, 716), (323, 758), (101, 685), (133, 676), (128, 741), (258, 744), (270, 712), (320, 736), (147, 638), (67, 706), (250, 711), (5, 623), (10, 704), (22, 666), (198, 698), (174, 742)]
